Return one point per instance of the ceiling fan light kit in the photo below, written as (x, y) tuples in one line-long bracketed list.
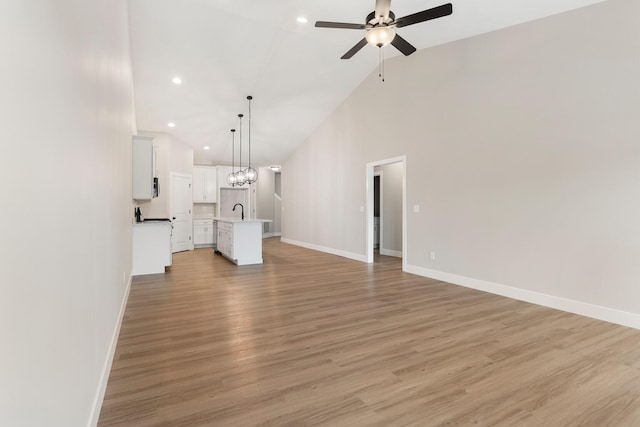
[(380, 36), (381, 24)]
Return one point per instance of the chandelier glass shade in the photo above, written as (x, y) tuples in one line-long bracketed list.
[(238, 177), (241, 179), (380, 36), (251, 175)]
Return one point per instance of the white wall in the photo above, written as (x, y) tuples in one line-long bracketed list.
[(266, 187), (67, 114), (522, 150), (277, 204), (180, 156)]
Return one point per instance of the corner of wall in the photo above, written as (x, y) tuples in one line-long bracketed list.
[(108, 362)]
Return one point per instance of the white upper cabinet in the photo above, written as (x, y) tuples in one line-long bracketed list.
[(145, 181), (223, 171), (204, 184)]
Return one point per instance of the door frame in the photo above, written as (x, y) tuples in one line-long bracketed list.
[(181, 175), (369, 206)]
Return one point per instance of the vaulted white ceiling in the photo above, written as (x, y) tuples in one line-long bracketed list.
[(224, 50)]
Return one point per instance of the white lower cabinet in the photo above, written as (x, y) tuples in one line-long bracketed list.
[(204, 234), (151, 247)]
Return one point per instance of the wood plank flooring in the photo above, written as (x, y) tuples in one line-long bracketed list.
[(310, 338)]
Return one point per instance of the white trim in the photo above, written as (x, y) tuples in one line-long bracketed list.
[(612, 315), (390, 252), (106, 369), (345, 254), (272, 234)]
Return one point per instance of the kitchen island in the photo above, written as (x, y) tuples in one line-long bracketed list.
[(240, 240), (151, 243)]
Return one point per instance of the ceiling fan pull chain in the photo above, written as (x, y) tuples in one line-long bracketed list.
[(382, 64)]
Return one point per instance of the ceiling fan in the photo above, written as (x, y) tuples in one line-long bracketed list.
[(380, 26)]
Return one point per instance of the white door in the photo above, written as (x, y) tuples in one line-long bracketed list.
[(181, 204)]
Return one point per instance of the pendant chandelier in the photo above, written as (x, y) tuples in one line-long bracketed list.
[(238, 178), (250, 174), (231, 178), (240, 174)]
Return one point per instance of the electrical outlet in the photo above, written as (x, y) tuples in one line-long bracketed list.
[(432, 255)]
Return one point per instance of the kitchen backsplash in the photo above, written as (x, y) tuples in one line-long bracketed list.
[(204, 209)]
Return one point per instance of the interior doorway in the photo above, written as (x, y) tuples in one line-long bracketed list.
[(391, 208), (377, 211), (180, 196)]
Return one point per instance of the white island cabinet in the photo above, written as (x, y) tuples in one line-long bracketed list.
[(241, 240)]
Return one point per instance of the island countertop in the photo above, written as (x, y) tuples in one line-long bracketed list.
[(238, 220)]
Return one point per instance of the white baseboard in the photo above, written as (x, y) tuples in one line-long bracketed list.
[(267, 235), (106, 370), (619, 317), (345, 254), (389, 252), (206, 245)]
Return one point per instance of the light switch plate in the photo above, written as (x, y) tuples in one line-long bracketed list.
[(416, 208)]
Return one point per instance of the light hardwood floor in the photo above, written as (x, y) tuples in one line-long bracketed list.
[(310, 338)]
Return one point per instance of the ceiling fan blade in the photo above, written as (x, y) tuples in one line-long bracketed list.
[(382, 8), (425, 15), (344, 25), (362, 43), (402, 45)]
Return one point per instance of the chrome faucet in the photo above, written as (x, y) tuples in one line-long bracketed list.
[(242, 207)]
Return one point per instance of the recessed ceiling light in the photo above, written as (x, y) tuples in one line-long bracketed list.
[(207, 147), (177, 80), (301, 19), (171, 124)]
